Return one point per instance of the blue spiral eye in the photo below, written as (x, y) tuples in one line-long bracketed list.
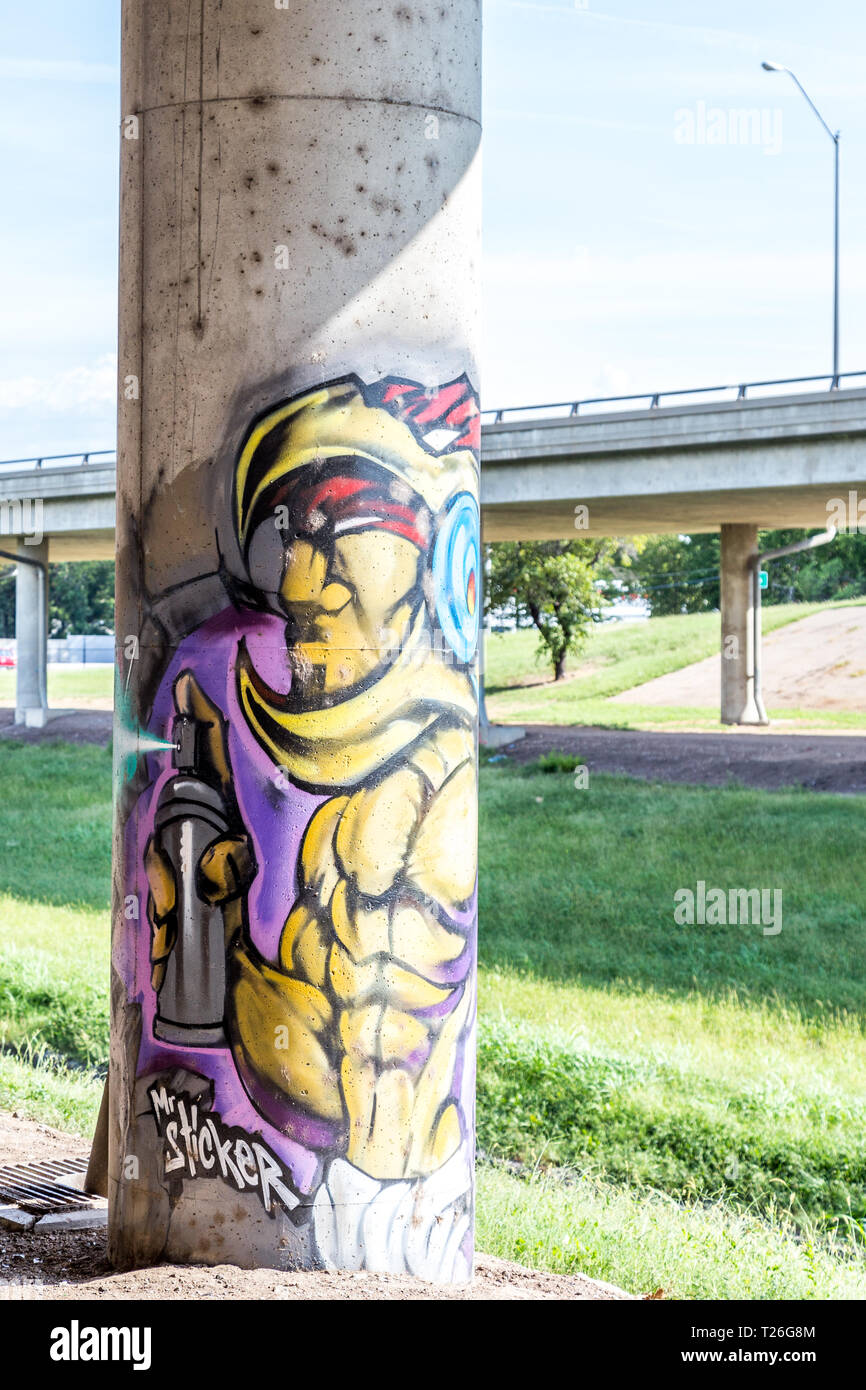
[(456, 575)]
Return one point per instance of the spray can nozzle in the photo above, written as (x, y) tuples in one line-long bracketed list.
[(184, 735)]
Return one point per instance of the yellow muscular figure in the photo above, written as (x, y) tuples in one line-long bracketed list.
[(358, 1023)]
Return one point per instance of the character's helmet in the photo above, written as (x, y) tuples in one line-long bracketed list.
[(390, 455)]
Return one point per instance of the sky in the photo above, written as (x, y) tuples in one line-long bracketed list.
[(638, 234)]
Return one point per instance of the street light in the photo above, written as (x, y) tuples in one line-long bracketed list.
[(779, 67)]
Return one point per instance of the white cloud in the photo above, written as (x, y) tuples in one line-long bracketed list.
[(78, 390)]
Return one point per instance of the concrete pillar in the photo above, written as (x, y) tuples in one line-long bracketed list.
[(31, 635), (293, 1000), (492, 735), (739, 549), (484, 724)]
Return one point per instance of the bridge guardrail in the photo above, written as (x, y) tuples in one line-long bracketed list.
[(80, 458), (655, 398)]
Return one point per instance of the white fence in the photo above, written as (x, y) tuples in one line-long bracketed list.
[(88, 650)]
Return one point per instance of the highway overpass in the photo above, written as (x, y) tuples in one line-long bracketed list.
[(768, 461), (733, 459)]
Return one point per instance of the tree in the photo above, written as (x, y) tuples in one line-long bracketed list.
[(81, 597), (679, 574), (837, 570), (7, 600), (554, 584)]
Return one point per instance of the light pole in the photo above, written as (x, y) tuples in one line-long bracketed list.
[(779, 67)]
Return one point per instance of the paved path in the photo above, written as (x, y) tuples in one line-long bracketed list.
[(77, 726), (816, 663), (821, 762)]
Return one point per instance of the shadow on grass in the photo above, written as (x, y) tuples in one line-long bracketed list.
[(574, 883), (580, 884), (55, 823), (530, 683)]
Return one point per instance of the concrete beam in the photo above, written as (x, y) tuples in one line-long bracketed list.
[(75, 506), (644, 513), (763, 420), (769, 462), (82, 545)]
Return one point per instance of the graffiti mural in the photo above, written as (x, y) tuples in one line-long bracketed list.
[(305, 840)]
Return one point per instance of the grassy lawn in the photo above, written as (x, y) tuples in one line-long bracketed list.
[(619, 656), (686, 1101), (92, 686), (643, 1242), (54, 929)]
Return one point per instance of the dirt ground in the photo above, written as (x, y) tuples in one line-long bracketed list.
[(816, 663), (819, 762), (76, 726), (74, 1265)]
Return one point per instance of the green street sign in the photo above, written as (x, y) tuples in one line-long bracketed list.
[(765, 579)]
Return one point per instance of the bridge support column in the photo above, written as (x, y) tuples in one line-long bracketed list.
[(31, 634), (739, 548), (297, 626), (491, 735)]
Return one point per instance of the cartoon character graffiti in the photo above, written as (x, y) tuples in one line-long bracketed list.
[(351, 1027)]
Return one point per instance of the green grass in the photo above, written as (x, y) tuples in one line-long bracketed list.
[(67, 687), (644, 1242), (54, 978), (55, 834), (654, 1124), (711, 1064), (55, 823), (50, 1093), (602, 912), (619, 656), (700, 1088)]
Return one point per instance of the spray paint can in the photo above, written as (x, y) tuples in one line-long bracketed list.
[(190, 815)]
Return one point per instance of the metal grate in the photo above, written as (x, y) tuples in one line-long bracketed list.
[(35, 1187)]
